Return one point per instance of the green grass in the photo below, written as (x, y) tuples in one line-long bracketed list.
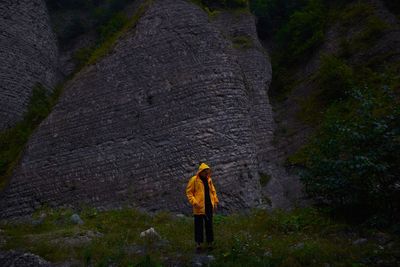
[(242, 42), (302, 237)]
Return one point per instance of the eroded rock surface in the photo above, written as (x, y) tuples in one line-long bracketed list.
[(28, 54), (133, 128)]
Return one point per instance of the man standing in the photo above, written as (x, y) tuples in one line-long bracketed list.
[(202, 195)]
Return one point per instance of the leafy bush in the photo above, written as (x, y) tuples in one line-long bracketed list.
[(296, 28), (352, 163), (302, 34), (332, 80)]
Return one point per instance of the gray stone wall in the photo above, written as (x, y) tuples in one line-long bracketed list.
[(28, 54), (133, 128)]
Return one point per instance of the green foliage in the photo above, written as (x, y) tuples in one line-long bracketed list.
[(353, 162), (81, 56), (264, 178), (242, 42), (273, 14), (114, 30), (111, 27), (108, 33), (374, 29), (13, 140), (302, 34), (332, 80), (103, 16), (298, 29), (355, 12)]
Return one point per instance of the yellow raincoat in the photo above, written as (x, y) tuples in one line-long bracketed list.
[(195, 191)]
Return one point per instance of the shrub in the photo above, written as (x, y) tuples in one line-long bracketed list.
[(302, 34), (300, 27), (334, 78), (352, 163)]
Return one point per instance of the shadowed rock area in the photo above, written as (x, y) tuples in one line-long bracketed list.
[(133, 128), (28, 54)]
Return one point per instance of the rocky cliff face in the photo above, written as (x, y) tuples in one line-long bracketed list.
[(177, 89), (28, 54)]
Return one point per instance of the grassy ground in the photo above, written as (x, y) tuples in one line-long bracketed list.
[(302, 237)]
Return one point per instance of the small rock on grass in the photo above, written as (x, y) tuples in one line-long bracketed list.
[(150, 233), (298, 245), (76, 219)]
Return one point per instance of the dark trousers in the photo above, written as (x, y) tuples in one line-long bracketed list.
[(199, 221)]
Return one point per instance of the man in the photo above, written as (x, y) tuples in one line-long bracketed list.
[(202, 195)]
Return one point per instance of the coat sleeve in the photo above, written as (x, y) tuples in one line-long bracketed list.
[(190, 192), (214, 192)]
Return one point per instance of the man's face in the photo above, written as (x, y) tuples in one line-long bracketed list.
[(205, 172)]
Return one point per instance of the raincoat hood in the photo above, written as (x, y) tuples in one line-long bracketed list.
[(202, 167)]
